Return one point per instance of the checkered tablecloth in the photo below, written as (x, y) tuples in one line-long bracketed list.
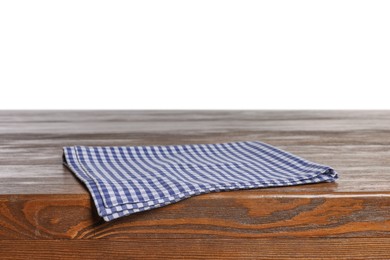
[(128, 179)]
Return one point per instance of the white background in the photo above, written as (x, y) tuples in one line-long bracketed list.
[(197, 54)]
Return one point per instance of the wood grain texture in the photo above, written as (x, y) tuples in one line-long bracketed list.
[(346, 248), (41, 201), (238, 214)]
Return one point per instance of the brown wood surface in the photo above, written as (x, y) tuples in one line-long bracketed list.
[(41, 201), (321, 248)]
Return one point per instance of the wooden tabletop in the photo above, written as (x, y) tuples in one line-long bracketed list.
[(41, 200)]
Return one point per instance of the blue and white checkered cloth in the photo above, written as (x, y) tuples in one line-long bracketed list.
[(124, 180)]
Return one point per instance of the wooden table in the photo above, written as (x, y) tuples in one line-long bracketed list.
[(47, 213)]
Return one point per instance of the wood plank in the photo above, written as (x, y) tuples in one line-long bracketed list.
[(225, 214), (319, 248), (367, 170), (14, 123)]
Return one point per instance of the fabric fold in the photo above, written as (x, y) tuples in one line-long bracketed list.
[(128, 179)]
